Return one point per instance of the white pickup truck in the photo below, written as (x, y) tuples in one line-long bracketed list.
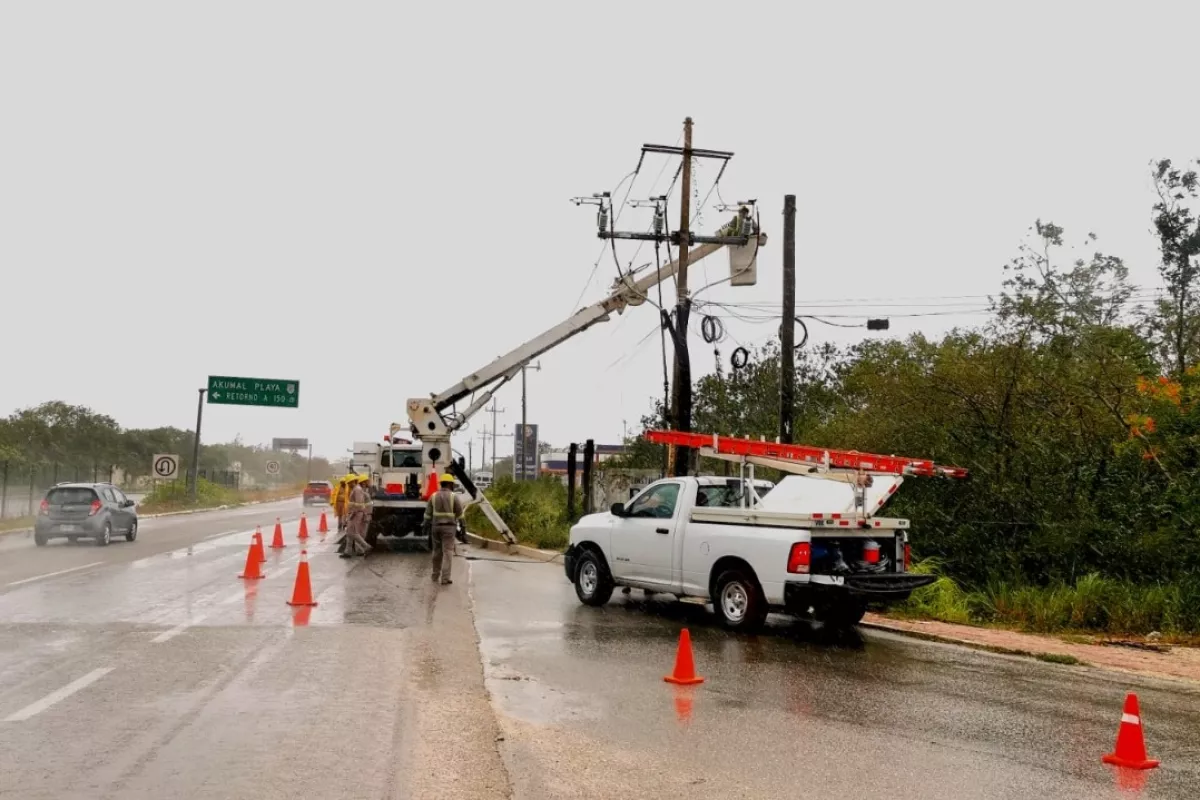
[(806, 548)]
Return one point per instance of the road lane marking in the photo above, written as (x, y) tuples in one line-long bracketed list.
[(167, 636), (33, 709), (223, 533), (53, 574)]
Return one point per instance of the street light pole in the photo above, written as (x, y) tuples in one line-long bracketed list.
[(308, 471), (524, 430), (196, 446)]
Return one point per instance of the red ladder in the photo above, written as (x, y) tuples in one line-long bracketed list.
[(817, 456)]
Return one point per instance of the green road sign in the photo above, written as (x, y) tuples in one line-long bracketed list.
[(253, 392)]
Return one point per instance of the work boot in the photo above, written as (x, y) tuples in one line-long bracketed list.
[(447, 582), (436, 577)]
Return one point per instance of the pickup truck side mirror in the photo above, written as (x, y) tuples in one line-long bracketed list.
[(618, 509)]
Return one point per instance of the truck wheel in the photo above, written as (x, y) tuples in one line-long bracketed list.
[(593, 584), (843, 614), (739, 601)]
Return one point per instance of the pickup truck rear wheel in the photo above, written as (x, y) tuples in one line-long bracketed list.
[(739, 601), (593, 584)]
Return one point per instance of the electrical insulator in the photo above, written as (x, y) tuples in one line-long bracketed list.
[(602, 219), (660, 220)]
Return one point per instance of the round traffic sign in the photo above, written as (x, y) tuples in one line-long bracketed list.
[(165, 466), (272, 467)]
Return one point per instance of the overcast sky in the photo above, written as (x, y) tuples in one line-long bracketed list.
[(373, 198)]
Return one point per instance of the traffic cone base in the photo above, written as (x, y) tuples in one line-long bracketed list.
[(1131, 746), (277, 539), (685, 666), (302, 591), (252, 570)]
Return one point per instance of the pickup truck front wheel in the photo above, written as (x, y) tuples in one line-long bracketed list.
[(739, 601), (593, 584)]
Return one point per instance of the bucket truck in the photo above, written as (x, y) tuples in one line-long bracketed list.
[(434, 419)]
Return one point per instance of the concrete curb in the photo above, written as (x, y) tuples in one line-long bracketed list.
[(988, 648), (188, 512), (545, 556)]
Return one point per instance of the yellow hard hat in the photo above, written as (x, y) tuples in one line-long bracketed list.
[(447, 478), (364, 478)]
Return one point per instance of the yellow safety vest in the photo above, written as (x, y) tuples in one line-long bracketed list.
[(442, 516)]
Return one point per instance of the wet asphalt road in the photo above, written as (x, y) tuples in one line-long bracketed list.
[(159, 673), (22, 560), (150, 670), (791, 714)]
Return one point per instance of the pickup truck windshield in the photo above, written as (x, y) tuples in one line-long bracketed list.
[(658, 503)]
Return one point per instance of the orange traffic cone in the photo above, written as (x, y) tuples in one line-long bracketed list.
[(685, 667), (431, 486), (277, 539), (302, 592), (252, 571), (303, 527), (1131, 747), (258, 545), (323, 525)]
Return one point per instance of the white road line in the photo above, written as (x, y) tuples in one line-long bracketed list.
[(33, 709), (223, 533), (167, 636), (53, 574)]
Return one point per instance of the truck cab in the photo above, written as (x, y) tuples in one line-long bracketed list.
[(804, 548), (398, 483)]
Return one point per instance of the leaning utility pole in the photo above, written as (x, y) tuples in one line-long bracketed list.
[(787, 331)]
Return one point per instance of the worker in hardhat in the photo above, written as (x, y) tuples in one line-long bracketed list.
[(359, 513), (442, 514), (341, 494)]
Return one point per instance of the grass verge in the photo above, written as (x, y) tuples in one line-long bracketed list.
[(1093, 603), (15, 523), (174, 497)]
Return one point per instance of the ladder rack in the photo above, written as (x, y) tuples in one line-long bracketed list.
[(819, 459)]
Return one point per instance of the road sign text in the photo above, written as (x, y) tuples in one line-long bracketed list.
[(224, 390)]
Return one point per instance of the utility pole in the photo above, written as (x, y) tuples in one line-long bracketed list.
[(681, 400), (787, 333), (196, 446), (736, 234), (524, 436), (470, 456)]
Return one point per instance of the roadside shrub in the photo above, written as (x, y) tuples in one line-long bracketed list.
[(536, 511), (942, 600)]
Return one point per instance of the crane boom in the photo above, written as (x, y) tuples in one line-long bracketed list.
[(625, 292), (426, 416)]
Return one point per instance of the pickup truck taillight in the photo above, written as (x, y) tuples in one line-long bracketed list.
[(907, 555), (800, 558)]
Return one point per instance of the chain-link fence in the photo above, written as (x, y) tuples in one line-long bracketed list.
[(22, 486)]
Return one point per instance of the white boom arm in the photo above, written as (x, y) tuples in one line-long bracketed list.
[(425, 414)]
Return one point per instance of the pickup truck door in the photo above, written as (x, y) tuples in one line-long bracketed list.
[(643, 538)]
